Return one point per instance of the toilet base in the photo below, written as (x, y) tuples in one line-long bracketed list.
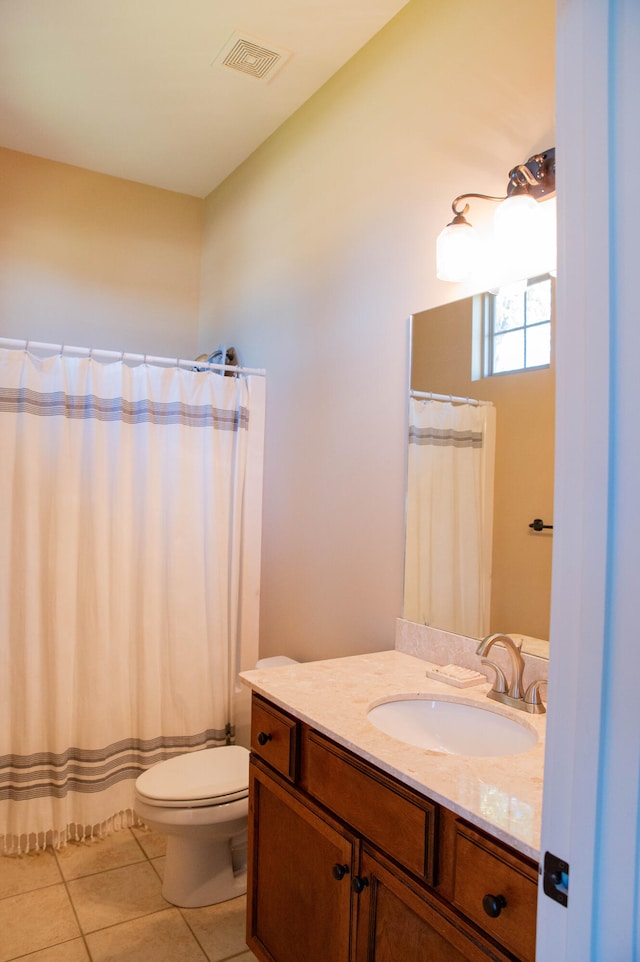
[(188, 879)]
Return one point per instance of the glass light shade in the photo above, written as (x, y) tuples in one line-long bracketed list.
[(516, 218), (456, 249)]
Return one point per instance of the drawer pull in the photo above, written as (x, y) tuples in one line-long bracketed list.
[(359, 884), (263, 738), (493, 905), (339, 871)]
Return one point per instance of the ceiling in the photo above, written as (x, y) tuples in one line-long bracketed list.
[(139, 88)]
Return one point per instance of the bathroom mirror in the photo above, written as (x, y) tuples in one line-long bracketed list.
[(446, 347)]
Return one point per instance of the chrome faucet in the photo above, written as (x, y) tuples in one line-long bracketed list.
[(511, 693)]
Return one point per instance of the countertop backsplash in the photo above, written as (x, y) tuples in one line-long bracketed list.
[(446, 648)]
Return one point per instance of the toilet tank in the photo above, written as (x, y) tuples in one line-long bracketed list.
[(276, 661)]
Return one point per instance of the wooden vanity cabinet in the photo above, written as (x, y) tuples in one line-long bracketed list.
[(346, 864), (302, 863)]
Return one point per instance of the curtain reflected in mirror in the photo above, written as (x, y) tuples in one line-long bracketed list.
[(510, 560), (450, 515)]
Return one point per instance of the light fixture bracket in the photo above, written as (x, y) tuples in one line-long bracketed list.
[(536, 177)]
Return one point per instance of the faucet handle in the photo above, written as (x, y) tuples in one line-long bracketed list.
[(500, 684), (532, 698)]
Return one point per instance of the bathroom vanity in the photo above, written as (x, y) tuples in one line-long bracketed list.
[(363, 849)]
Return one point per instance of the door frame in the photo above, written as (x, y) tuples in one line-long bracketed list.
[(592, 763)]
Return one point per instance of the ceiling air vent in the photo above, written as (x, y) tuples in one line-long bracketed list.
[(249, 56)]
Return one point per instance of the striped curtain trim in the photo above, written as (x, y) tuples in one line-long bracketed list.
[(46, 775), (80, 406), (445, 437)]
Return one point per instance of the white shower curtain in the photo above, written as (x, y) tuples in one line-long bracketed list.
[(450, 515), (129, 533)]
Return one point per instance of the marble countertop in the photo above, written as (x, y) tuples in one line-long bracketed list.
[(500, 794)]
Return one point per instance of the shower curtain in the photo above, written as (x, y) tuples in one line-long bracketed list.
[(450, 515), (129, 539)]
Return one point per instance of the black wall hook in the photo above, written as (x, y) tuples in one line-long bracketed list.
[(538, 524)]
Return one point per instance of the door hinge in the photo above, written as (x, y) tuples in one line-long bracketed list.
[(555, 878)]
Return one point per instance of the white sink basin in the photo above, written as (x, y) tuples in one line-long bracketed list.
[(451, 727)]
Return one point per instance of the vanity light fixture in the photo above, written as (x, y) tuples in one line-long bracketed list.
[(515, 217)]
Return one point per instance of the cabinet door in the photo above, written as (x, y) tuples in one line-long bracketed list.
[(300, 867), (398, 923)]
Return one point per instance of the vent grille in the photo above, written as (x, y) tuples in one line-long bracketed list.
[(249, 56)]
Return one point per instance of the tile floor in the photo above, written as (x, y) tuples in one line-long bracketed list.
[(101, 902)]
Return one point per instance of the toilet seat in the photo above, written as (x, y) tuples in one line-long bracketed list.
[(210, 776)]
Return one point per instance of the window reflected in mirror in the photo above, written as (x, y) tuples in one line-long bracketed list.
[(517, 326)]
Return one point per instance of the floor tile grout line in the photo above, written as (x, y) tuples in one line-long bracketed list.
[(36, 888), (194, 934), (167, 908), (140, 845), (133, 918), (73, 908), (103, 870), (147, 915), (52, 945), (228, 958), (39, 888), (26, 955)]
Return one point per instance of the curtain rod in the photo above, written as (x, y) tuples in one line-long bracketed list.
[(428, 396), (26, 345)]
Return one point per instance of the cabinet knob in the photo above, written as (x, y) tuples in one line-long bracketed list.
[(493, 905), (359, 884), (339, 871), (263, 738)]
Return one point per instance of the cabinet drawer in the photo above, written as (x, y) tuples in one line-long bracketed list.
[(485, 869), (274, 737), (381, 810)]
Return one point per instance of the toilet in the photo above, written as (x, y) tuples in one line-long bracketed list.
[(200, 800)]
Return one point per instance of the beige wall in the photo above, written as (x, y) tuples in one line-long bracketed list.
[(88, 259), (316, 251), (525, 415)]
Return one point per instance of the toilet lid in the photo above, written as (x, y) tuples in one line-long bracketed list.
[(207, 777)]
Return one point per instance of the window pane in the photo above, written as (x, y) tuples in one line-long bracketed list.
[(509, 307), (539, 302), (518, 326), (508, 351), (539, 345)]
